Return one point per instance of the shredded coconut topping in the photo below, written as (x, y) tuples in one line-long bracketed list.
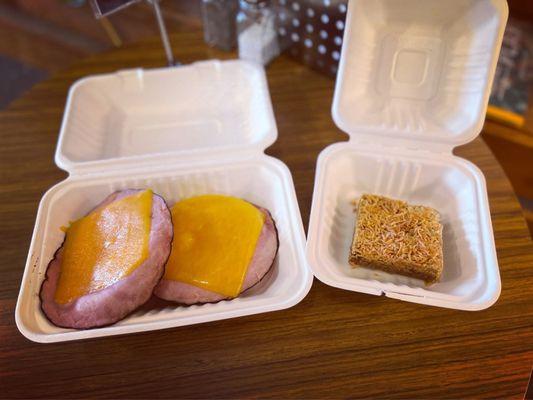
[(396, 237)]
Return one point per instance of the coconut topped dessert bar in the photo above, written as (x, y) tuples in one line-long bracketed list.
[(398, 238)]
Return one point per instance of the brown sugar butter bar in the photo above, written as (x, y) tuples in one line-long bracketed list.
[(395, 237)]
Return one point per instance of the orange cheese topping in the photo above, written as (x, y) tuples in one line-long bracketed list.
[(105, 246), (214, 241)]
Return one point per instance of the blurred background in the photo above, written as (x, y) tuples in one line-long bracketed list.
[(41, 37)]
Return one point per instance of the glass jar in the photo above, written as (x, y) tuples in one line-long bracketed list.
[(256, 31), (218, 18)]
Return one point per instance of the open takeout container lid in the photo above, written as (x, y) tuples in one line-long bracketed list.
[(418, 73), (204, 109)]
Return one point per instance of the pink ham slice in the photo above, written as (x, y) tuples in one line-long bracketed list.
[(113, 303), (262, 260)]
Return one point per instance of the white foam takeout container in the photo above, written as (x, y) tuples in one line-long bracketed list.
[(182, 131), (413, 83)]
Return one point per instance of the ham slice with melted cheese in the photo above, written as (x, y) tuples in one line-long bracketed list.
[(110, 261), (222, 246)]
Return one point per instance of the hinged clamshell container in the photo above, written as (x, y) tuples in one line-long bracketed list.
[(413, 83), (182, 131)]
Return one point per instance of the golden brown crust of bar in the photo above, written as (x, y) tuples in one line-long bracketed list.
[(399, 238)]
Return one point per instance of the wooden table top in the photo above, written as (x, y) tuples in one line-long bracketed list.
[(334, 343)]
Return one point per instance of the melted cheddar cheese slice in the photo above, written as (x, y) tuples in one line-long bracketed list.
[(105, 246), (214, 240)]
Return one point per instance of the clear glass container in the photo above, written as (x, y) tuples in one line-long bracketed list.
[(256, 31), (219, 23)]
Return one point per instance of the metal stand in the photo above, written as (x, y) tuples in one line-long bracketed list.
[(103, 8), (163, 31)]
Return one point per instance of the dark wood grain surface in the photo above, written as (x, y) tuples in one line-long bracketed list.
[(334, 343)]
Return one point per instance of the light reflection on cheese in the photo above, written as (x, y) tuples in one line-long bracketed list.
[(105, 246)]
